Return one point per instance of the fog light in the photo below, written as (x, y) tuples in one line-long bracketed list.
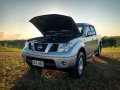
[(63, 63)]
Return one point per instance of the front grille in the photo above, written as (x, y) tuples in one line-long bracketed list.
[(40, 47), (54, 48)]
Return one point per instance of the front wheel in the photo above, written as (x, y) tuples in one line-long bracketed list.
[(79, 66)]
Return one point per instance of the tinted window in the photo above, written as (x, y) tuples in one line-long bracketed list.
[(92, 29), (87, 29), (80, 27)]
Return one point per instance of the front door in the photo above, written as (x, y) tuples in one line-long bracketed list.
[(88, 41), (95, 40)]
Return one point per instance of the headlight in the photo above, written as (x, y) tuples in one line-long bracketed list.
[(29, 45), (26, 45), (64, 47)]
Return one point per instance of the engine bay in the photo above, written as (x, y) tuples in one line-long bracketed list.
[(53, 39)]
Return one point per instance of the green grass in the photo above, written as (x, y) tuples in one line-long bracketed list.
[(9, 49), (113, 49)]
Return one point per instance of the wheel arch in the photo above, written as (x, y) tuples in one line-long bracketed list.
[(82, 49)]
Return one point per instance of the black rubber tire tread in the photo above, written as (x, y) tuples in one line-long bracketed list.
[(98, 53), (74, 72)]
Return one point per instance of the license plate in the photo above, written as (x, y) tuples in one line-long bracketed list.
[(38, 63)]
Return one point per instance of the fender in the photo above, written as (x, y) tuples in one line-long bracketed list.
[(77, 47)]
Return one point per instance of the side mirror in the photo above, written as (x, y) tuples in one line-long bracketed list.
[(90, 33)]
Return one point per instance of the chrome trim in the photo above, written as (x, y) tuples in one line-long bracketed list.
[(32, 46), (48, 47)]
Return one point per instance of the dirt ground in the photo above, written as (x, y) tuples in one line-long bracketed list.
[(101, 73)]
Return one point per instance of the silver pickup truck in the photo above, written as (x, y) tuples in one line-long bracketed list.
[(65, 45)]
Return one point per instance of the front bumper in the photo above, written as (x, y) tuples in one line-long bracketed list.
[(50, 59)]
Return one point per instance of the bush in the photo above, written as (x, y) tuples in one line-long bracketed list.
[(111, 41), (13, 43)]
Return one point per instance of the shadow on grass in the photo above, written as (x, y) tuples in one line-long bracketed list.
[(95, 77), (110, 60), (35, 81)]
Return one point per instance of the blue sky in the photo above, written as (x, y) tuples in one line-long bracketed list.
[(15, 15)]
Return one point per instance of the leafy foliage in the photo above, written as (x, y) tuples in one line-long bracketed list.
[(111, 41), (13, 43)]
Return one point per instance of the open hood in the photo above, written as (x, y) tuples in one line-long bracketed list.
[(54, 24)]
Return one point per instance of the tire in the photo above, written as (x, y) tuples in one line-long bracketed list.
[(78, 70), (98, 51)]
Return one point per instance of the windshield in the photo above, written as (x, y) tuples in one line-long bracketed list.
[(65, 32), (80, 28), (59, 33)]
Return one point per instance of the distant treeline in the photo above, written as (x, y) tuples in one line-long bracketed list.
[(13, 43), (106, 42), (111, 41)]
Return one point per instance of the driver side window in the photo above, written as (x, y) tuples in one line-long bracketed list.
[(93, 29), (87, 29)]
